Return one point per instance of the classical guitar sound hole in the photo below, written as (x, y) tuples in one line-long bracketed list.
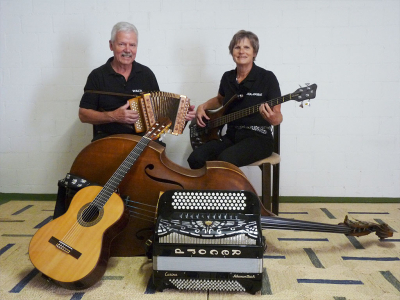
[(90, 214)]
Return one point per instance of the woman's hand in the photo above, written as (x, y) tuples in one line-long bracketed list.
[(201, 115), (273, 116)]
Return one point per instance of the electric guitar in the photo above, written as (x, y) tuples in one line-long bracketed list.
[(73, 250), (212, 130)]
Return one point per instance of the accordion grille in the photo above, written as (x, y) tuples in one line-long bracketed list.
[(208, 284)]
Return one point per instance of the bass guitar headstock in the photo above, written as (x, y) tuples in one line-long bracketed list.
[(360, 228), (305, 93)]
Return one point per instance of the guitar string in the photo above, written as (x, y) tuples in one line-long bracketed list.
[(103, 196), (247, 111), (101, 199), (242, 113), (89, 214), (250, 110)]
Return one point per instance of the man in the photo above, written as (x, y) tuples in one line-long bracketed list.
[(120, 74)]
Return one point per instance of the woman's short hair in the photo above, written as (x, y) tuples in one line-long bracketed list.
[(123, 26), (242, 34)]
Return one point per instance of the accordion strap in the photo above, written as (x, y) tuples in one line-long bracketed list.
[(109, 93)]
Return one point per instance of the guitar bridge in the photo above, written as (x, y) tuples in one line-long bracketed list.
[(64, 247)]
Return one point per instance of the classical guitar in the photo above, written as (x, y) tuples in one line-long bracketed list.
[(212, 130), (73, 250)]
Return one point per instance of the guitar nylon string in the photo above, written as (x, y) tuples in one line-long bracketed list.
[(106, 192), (102, 198)]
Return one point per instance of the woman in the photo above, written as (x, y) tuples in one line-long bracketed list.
[(247, 139)]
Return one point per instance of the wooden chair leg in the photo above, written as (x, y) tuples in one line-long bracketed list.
[(275, 189), (266, 185)]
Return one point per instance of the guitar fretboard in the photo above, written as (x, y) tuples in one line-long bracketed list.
[(112, 184), (247, 111)]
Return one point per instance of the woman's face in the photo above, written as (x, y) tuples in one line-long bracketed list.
[(243, 53)]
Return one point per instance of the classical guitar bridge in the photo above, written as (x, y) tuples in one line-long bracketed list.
[(64, 247)]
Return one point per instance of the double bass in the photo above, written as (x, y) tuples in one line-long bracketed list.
[(154, 173)]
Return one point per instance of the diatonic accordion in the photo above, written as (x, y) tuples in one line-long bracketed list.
[(154, 105), (208, 240)]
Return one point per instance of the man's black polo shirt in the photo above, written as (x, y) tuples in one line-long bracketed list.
[(104, 78)]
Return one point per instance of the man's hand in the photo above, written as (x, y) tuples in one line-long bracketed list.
[(190, 114), (124, 115)]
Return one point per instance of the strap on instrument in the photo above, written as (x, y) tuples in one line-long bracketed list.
[(109, 93)]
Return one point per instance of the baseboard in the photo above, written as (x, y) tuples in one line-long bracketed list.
[(5, 197), (303, 199)]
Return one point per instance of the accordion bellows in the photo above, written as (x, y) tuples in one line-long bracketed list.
[(154, 105)]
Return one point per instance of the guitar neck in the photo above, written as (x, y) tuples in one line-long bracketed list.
[(217, 122), (289, 224), (113, 183)]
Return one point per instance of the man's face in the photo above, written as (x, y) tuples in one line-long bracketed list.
[(124, 47)]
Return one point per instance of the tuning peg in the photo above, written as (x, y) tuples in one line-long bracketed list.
[(304, 103), (162, 136), (307, 84)]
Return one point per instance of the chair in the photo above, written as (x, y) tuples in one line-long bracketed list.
[(268, 199)]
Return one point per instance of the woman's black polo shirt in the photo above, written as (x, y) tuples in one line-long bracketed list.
[(259, 86)]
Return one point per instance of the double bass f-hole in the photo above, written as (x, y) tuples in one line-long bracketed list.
[(151, 167)]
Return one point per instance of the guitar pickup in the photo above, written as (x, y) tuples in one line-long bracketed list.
[(64, 247)]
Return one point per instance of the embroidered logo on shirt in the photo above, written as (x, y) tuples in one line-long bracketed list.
[(137, 91), (254, 94)]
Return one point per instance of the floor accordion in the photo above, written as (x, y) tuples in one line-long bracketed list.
[(208, 240)]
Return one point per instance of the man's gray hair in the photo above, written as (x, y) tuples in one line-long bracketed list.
[(123, 26)]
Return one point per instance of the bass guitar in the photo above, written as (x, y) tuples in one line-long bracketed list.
[(212, 130), (73, 250)]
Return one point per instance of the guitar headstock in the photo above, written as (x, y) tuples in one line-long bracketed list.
[(360, 228), (305, 93), (161, 126)]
